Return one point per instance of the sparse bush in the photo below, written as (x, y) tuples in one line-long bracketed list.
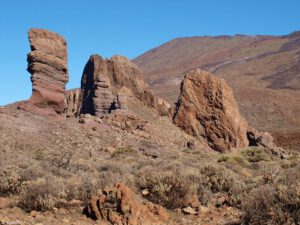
[(234, 159), (111, 173), (255, 154), (40, 194), (272, 205), (168, 188), (10, 180), (171, 187), (83, 189), (219, 179), (124, 151)]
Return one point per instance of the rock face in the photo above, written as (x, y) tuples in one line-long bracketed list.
[(120, 206), (73, 103), (206, 109), (47, 63), (107, 84)]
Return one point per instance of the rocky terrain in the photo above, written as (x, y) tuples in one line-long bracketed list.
[(263, 72), (112, 152)]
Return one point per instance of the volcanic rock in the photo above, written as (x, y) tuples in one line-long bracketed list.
[(47, 63), (73, 103), (262, 139), (107, 84), (206, 109), (120, 206)]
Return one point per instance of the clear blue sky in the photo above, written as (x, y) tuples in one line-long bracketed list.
[(126, 27)]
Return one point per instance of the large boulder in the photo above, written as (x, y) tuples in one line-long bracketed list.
[(47, 63), (261, 139), (206, 109), (107, 84), (120, 206)]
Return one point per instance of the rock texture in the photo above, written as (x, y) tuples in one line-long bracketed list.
[(120, 206), (47, 63), (206, 109), (262, 139), (73, 104), (107, 84)]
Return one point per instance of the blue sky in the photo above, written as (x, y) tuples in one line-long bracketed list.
[(126, 27)]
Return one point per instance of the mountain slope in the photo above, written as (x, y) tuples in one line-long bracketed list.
[(264, 72)]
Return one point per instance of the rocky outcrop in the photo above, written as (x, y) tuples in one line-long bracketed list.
[(120, 206), (107, 84), (262, 139), (206, 109), (47, 63), (73, 103)]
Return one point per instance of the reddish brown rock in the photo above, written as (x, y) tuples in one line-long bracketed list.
[(206, 109), (73, 103), (107, 84), (47, 63), (120, 206)]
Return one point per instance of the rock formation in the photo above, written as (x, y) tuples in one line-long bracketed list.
[(262, 139), (107, 84), (206, 109), (47, 63), (73, 103), (120, 206)]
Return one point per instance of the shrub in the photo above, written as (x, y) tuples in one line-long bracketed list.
[(10, 180), (124, 151), (255, 154), (168, 188), (234, 159), (40, 194), (272, 205)]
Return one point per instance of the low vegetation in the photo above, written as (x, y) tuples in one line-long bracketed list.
[(262, 185)]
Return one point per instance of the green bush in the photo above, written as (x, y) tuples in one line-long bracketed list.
[(124, 151), (255, 154)]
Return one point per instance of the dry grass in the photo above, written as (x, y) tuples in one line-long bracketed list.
[(48, 172)]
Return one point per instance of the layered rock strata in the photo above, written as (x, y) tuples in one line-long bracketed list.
[(107, 84), (47, 63)]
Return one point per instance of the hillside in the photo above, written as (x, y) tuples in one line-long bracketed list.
[(264, 72), (112, 152)]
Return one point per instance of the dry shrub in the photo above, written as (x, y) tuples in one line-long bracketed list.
[(270, 205), (10, 180), (111, 172), (168, 188), (220, 179), (290, 176), (275, 203), (40, 194), (81, 188)]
